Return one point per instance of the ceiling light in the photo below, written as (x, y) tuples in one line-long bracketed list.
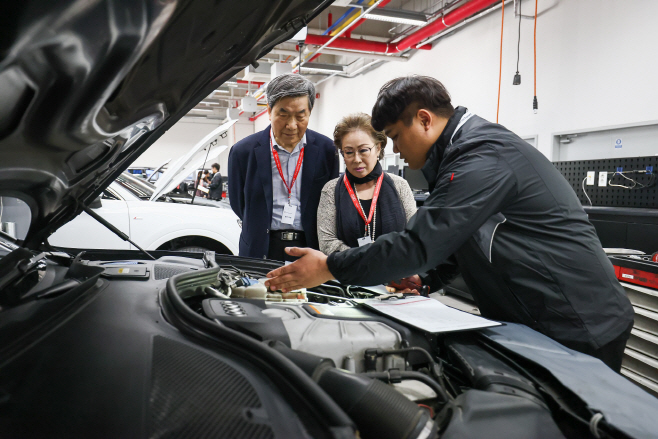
[(202, 109), (209, 103), (317, 67), (231, 84), (221, 91), (397, 16)]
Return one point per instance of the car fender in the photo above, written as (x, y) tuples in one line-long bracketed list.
[(230, 243)]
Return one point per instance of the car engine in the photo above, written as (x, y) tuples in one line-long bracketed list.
[(417, 384)]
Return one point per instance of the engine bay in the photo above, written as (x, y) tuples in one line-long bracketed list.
[(391, 379), (462, 387)]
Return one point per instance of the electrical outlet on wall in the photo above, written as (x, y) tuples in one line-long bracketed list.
[(590, 178), (603, 178)]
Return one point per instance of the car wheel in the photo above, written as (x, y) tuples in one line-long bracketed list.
[(192, 249)]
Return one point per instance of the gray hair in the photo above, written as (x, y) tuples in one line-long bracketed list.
[(290, 85)]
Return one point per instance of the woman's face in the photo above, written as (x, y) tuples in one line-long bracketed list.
[(360, 152)]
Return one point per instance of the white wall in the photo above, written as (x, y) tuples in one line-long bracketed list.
[(597, 66), (185, 134)]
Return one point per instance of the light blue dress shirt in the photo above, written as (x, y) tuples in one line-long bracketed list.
[(279, 192)]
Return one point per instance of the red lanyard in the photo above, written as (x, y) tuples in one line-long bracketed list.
[(356, 202), (278, 166)]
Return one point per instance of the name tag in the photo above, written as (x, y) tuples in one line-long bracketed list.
[(289, 212), (364, 241)]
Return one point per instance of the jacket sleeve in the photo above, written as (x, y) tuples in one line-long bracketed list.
[(236, 182), (442, 275), (334, 171), (216, 181), (469, 191), (329, 242)]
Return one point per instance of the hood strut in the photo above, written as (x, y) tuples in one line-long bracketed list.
[(113, 229)]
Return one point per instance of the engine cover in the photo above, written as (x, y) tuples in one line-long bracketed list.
[(340, 333)]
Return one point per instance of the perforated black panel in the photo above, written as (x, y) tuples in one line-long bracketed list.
[(166, 271), (196, 395), (643, 197)]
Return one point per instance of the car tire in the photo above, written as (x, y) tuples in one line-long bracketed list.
[(192, 249)]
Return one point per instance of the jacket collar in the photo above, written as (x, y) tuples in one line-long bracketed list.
[(437, 151)]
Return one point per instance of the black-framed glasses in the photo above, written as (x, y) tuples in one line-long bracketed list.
[(363, 151)]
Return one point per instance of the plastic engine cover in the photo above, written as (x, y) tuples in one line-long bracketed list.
[(338, 339), (343, 339)]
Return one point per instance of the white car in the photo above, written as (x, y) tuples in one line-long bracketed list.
[(153, 225), (155, 220)]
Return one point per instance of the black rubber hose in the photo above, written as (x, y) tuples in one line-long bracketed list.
[(379, 411), (387, 377)]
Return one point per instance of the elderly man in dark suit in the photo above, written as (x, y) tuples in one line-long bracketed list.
[(276, 176)]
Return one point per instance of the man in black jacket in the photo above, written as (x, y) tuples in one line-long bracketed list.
[(215, 187), (500, 213)]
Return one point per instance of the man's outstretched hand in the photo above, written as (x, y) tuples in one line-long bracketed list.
[(310, 270)]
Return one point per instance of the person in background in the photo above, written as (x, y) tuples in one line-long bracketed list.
[(365, 202), (276, 176), (216, 184), (199, 183), (499, 212)]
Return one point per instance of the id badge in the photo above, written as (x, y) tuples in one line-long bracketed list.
[(289, 212), (364, 241)]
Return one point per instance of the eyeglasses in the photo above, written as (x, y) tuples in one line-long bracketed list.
[(364, 152)]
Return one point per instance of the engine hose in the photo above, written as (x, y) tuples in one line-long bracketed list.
[(378, 410), (391, 377)]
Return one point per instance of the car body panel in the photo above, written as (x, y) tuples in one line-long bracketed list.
[(149, 223)]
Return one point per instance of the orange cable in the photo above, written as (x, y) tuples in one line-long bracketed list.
[(500, 71)]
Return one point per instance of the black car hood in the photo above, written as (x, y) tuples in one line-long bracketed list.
[(86, 86)]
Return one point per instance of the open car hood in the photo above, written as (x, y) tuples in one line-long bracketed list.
[(193, 160), (86, 86)]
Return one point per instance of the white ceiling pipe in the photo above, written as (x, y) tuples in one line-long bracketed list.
[(284, 52), (368, 55)]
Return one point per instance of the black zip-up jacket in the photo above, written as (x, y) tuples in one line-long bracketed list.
[(500, 212)]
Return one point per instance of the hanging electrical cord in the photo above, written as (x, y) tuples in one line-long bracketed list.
[(500, 70), (635, 184), (517, 77), (535, 105), (585, 192)]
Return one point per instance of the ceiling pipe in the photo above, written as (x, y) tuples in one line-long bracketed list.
[(242, 81), (412, 40), (342, 31), (367, 55), (452, 18), (354, 44), (253, 118)]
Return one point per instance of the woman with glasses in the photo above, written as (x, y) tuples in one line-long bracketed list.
[(365, 202)]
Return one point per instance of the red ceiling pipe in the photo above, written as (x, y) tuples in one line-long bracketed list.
[(454, 17), (329, 20), (242, 81), (355, 44), (258, 115), (411, 41)]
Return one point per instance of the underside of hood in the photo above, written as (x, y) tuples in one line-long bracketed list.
[(86, 86)]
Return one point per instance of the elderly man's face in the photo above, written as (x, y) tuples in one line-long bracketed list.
[(289, 119)]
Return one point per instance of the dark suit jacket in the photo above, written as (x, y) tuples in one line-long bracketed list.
[(215, 187), (250, 187)]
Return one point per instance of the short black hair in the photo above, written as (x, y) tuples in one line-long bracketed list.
[(400, 98), (215, 165)]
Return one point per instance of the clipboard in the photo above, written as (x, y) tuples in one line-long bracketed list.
[(429, 314)]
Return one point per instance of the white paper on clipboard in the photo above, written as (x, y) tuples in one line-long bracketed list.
[(429, 314)]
